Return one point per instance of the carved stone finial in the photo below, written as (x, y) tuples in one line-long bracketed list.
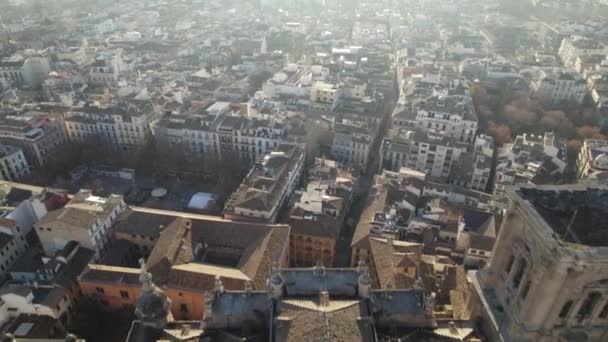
[(362, 267), (275, 282), (145, 278), (318, 270), (429, 303), (274, 268), (248, 287), (218, 287), (418, 284)]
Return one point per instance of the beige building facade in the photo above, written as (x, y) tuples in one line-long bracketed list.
[(548, 276)]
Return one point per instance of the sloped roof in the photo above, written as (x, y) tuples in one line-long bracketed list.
[(251, 248), (336, 322)]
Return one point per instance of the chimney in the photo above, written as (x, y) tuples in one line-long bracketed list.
[(324, 299), (185, 330)]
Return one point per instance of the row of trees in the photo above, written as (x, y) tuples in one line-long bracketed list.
[(505, 113)]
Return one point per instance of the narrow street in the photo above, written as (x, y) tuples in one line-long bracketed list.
[(365, 182)]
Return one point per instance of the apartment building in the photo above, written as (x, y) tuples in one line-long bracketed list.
[(430, 152), (574, 46), (124, 128), (46, 284), (39, 135), (452, 115), (318, 214), (473, 169), (219, 134), (352, 142), (294, 81), (12, 245), (325, 95), (592, 160), (107, 69), (13, 164), (86, 219), (31, 70), (531, 158), (557, 86)]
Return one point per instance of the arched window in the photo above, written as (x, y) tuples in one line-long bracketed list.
[(510, 264), (563, 313), (525, 290), (604, 313), (588, 305), (519, 274)]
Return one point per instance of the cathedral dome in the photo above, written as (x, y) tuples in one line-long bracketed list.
[(153, 306)]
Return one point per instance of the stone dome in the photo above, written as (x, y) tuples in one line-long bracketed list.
[(152, 304), (153, 307)]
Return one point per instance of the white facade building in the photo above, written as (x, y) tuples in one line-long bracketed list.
[(452, 115), (557, 86), (575, 46), (124, 128), (294, 81), (86, 219), (352, 143), (13, 165), (430, 152), (593, 159)]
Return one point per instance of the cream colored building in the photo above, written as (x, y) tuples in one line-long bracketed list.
[(86, 219), (548, 276), (125, 128), (13, 165), (593, 159)]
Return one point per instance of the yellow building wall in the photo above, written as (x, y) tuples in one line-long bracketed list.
[(110, 297), (186, 304), (307, 250)]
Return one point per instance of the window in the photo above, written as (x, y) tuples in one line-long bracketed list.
[(183, 308), (521, 269), (124, 294), (99, 290), (604, 313), (588, 305), (525, 290)]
